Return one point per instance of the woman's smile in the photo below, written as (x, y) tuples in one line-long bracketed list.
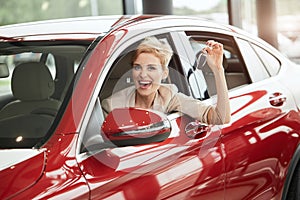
[(144, 84)]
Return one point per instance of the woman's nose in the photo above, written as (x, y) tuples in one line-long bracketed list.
[(143, 73)]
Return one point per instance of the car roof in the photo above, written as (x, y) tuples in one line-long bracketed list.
[(88, 28), (166, 21), (72, 28)]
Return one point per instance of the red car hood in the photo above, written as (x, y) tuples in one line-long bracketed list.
[(19, 169)]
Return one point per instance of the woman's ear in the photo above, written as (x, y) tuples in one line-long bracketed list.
[(165, 73)]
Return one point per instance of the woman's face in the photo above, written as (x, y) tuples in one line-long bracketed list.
[(147, 73)]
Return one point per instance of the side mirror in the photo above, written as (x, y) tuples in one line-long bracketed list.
[(135, 126), (4, 72)]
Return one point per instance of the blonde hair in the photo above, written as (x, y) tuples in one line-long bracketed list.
[(161, 49)]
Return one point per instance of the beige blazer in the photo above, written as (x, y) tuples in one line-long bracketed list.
[(167, 100)]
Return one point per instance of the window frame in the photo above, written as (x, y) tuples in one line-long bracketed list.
[(269, 67), (227, 40)]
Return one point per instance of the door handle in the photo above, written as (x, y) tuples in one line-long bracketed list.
[(277, 99), (196, 130)]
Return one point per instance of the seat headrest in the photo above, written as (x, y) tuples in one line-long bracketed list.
[(123, 65), (32, 81)]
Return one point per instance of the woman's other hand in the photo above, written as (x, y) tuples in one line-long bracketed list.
[(214, 51)]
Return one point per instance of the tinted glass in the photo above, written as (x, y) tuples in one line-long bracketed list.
[(32, 93), (256, 68), (235, 71)]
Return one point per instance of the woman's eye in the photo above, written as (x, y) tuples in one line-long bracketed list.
[(137, 67), (151, 67)]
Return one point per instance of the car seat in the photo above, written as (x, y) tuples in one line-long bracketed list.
[(120, 76), (32, 86)]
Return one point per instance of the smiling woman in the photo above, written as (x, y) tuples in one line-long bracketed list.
[(150, 68)]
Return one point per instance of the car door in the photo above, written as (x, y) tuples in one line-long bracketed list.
[(255, 141), (266, 129), (181, 166)]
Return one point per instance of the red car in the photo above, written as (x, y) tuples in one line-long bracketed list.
[(56, 144)]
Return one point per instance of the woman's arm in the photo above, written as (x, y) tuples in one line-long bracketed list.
[(221, 113)]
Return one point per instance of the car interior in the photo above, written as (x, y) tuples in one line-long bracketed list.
[(119, 76), (34, 80), (31, 91), (235, 70), (40, 99), (236, 74)]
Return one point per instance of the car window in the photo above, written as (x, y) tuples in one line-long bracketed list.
[(34, 88), (271, 63), (256, 68), (119, 76), (235, 71), (11, 62), (92, 140)]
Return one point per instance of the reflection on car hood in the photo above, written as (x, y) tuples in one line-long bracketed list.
[(11, 157)]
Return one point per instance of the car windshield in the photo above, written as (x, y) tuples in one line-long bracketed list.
[(34, 78)]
